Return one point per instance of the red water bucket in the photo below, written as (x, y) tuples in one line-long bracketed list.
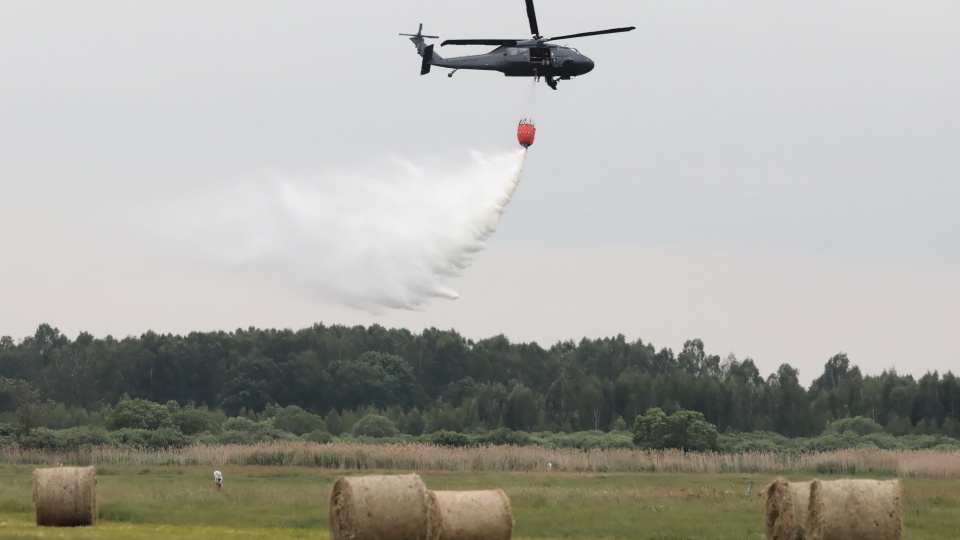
[(526, 132)]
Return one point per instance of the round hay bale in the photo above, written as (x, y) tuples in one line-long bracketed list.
[(65, 496), (854, 510), (378, 508), (787, 509), (469, 515)]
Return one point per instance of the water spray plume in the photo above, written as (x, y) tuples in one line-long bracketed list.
[(392, 236)]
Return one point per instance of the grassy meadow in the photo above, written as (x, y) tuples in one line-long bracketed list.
[(153, 501)]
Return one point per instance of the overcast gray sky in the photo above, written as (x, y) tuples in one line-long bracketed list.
[(779, 180)]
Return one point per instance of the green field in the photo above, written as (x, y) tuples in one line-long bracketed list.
[(291, 502)]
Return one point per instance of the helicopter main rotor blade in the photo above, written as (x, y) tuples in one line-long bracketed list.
[(597, 33), (532, 15), (507, 42)]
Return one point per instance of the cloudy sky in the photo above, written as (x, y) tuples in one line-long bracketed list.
[(778, 180)]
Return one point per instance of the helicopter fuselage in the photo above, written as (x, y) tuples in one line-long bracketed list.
[(535, 57), (536, 60)]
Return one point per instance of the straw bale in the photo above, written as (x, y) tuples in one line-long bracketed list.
[(378, 508), (469, 515), (787, 509), (854, 510), (65, 496)]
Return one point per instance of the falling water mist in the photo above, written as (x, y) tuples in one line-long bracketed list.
[(389, 236)]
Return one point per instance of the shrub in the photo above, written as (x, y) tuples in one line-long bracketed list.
[(449, 438), (755, 441), (752, 445), (138, 414), (166, 438), (297, 421), (252, 431), (883, 441), (826, 443), (235, 437), (58, 416), (319, 436), (8, 434), (207, 439), (130, 437), (923, 442), (43, 438), (858, 424), (87, 436), (613, 441), (239, 423), (684, 430), (579, 439), (374, 425), (506, 436), (192, 420)]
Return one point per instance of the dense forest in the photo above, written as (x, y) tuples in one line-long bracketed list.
[(447, 382)]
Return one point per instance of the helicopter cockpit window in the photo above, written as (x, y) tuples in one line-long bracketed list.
[(513, 51)]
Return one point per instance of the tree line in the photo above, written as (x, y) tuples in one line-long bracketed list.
[(455, 384)]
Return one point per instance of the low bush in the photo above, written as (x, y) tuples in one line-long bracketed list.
[(44, 439), (374, 425), (87, 436), (166, 438), (134, 438), (505, 436), (297, 421), (138, 414), (241, 430), (239, 423), (319, 436), (448, 438), (192, 420), (884, 441), (858, 424), (8, 433), (234, 437)]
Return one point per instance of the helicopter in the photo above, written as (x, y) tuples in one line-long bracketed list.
[(535, 57)]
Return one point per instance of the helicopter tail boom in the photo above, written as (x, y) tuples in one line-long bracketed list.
[(424, 50), (429, 57)]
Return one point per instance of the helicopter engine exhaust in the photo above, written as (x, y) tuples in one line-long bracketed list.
[(393, 235)]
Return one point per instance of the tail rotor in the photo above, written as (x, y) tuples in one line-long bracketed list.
[(424, 50), (418, 38)]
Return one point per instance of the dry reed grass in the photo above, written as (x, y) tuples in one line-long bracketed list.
[(854, 510), (65, 496), (469, 515), (378, 508), (786, 509), (420, 457)]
